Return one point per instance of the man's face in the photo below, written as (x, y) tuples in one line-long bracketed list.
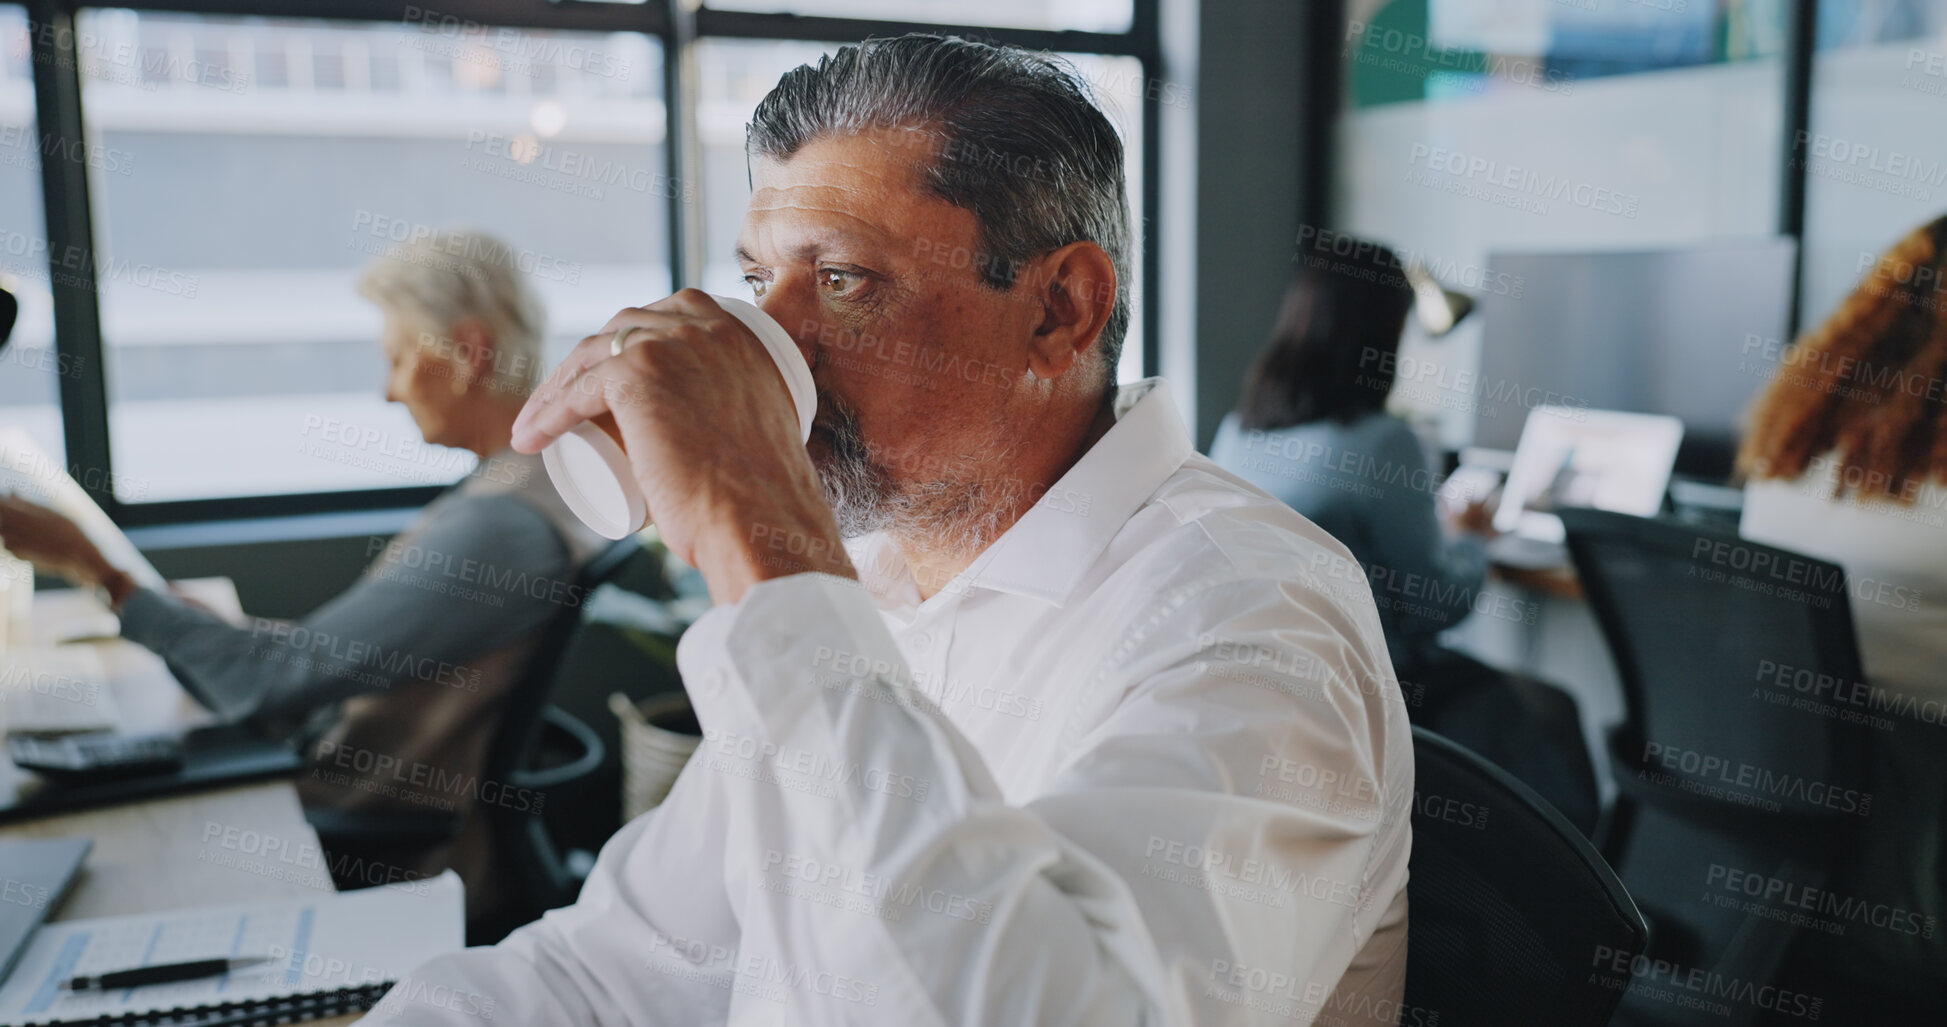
[(919, 366)]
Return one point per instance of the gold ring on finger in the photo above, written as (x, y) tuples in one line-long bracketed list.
[(621, 341)]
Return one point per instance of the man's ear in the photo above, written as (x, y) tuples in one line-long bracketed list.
[(1075, 287), (473, 348)]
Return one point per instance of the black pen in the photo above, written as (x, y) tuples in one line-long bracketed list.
[(166, 973)]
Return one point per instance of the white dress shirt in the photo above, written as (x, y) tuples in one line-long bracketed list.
[(1144, 762)]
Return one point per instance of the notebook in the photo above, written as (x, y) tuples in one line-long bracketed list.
[(328, 954)]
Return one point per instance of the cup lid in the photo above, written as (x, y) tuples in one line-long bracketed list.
[(594, 478)]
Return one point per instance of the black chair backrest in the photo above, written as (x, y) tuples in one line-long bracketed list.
[(1742, 751), (1717, 640), (1514, 916), (520, 834), (521, 724), (9, 310)]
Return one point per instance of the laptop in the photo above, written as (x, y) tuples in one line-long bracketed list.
[(1577, 457), (39, 873)]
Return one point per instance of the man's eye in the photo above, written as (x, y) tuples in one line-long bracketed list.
[(837, 281), (756, 284)]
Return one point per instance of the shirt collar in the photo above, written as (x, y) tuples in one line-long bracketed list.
[(1044, 554)]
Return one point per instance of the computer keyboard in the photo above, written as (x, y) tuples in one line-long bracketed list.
[(97, 756)]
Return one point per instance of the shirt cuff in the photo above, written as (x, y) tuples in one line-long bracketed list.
[(746, 662), (146, 616)]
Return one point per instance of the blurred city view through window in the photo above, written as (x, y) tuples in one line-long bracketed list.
[(259, 163), (242, 170)]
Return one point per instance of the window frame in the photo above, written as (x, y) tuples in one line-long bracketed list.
[(676, 23)]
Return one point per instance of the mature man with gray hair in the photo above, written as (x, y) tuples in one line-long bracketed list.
[(1016, 709)]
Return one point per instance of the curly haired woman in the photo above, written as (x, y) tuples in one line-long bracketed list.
[(1846, 459)]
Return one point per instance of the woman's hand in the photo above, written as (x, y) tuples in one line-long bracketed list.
[(1476, 518), (55, 545), (711, 434)]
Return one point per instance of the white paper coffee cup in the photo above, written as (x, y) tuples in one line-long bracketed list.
[(592, 473)]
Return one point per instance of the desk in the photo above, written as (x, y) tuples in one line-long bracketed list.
[(227, 845), (177, 852), (1559, 582), (145, 696)]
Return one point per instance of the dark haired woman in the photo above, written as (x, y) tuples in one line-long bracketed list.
[(1312, 430), (1846, 459)]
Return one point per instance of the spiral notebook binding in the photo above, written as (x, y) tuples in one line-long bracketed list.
[(284, 1009)]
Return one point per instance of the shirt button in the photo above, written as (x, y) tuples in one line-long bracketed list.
[(922, 641), (712, 682), (776, 646)]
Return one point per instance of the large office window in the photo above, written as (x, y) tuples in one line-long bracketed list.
[(240, 170), (732, 76), (30, 369), (1083, 15), (1874, 153), (276, 157), (1471, 129)]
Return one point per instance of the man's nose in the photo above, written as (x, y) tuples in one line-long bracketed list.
[(793, 308)]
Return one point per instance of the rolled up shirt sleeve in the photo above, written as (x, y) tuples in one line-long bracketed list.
[(878, 874)]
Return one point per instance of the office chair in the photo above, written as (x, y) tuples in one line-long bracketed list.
[(538, 752), (1516, 919), (1523, 725), (9, 310), (544, 752), (1717, 772)]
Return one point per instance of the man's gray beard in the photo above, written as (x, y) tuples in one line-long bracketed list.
[(958, 518)]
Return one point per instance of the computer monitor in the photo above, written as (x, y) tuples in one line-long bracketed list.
[(1693, 333)]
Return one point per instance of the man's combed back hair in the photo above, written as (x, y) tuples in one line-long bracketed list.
[(1020, 144)]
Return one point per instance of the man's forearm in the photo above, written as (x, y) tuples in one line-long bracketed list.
[(749, 543)]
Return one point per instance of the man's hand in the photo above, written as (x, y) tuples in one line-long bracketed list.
[(53, 544), (712, 435)]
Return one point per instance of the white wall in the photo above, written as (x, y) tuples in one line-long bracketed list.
[(1655, 160), (1876, 160)]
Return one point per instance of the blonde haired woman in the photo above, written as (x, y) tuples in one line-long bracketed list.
[(400, 678)]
